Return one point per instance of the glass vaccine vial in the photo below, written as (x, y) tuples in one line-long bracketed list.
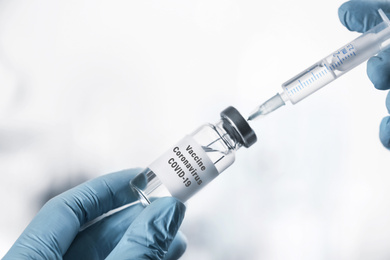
[(195, 160)]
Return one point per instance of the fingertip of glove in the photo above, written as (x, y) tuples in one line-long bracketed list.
[(377, 71), (342, 12), (177, 248), (152, 232), (360, 16), (384, 133), (169, 214), (166, 215), (388, 102), (181, 241), (172, 207)]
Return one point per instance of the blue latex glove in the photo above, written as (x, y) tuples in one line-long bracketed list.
[(133, 233), (361, 16)]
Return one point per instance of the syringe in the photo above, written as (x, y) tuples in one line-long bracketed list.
[(330, 68)]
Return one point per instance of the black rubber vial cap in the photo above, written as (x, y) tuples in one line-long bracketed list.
[(237, 127)]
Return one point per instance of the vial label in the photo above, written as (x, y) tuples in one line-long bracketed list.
[(184, 169)]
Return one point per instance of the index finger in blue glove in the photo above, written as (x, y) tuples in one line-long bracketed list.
[(361, 16), (378, 70), (384, 132), (388, 102), (177, 247), (384, 129), (99, 239), (151, 233), (55, 226)]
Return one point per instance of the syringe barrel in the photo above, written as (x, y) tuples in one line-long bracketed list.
[(338, 63)]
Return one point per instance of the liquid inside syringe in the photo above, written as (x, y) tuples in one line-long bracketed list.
[(330, 68)]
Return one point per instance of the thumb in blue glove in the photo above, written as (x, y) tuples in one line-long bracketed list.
[(133, 233), (361, 16)]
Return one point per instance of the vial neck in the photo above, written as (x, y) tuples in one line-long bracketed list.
[(228, 137)]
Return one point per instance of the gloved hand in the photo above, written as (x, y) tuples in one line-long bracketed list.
[(133, 233), (361, 16)]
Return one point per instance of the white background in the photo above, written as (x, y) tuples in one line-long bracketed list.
[(90, 87)]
